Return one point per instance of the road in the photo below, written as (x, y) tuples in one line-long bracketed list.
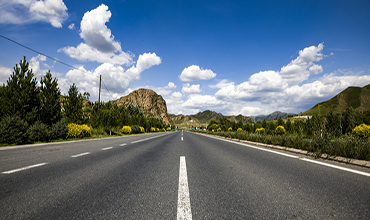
[(175, 175)]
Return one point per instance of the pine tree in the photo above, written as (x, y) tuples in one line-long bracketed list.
[(21, 94), (50, 100), (73, 105)]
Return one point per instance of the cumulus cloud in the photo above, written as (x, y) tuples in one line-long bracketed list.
[(176, 95), (171, 85), (194, 72), (84, 52), (96, 33), (71, 26), (5, 73), (299, 69), (144, 62), (23, 12), (190, 89), (99, 44), (223, 83), (202, 102)]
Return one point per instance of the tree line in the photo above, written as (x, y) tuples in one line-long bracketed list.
[(36, 111)]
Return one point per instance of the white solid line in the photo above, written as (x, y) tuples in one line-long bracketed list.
[(24, 168), (122, 145), (337, 167), (296, 157), (79, 155), (107, 148), (183, 203)]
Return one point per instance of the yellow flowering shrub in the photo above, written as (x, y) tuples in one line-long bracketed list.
[(126, 130), (168, 129), (230, 129), (280, 130), (239, 129), (219, 129), (157, 129), (260, 130), (78, 131), (142, 130), (362, 130), (153, 129)]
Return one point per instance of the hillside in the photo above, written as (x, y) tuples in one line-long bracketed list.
[(357, 97), (152, 104), (204, 118), (272, 116)]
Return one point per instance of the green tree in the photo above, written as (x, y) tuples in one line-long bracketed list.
[(20, 95), (50, 111), (73, 105)]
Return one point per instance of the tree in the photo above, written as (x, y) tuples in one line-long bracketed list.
[(50, 100), (20, 95), (73, 105)]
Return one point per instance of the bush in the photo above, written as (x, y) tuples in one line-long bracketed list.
[(260, 130), (142, 130), (39, 132), (13, 130), (280, 130), (362, 130), (153, 129), (230, 129), (126, 130), (168, 129), (78, 131), (59, 130), (239, 129), (135, 129)]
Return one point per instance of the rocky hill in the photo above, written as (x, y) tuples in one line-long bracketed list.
[(152, 104), (356, 97), (272, 116)]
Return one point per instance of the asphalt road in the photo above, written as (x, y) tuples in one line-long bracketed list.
[(177, 175)]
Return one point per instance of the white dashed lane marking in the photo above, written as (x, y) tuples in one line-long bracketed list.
[(24, 168), (79, 155), (183, 202)]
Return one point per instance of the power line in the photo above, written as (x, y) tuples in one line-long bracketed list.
[(56, 60)]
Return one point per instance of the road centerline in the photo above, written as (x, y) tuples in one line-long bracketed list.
[(79, 155), (183, 203), (24, 168), (107, 148)]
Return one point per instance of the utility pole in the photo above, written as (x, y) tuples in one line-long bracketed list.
[(99, 96)]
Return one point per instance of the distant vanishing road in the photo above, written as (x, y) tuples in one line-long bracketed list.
[(175, 175)]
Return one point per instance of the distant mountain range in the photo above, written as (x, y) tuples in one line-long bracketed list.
[(357, 97), (272, 116)]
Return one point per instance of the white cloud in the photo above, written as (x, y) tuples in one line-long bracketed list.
[(23, 12), (193, 72), (176, 95), (5, 73), (299, 70), (84, 52), (71, 26), (223, 83), (96, 33), (144, 62), (190, 89), (171, 85), (202, 102), (99, 45)]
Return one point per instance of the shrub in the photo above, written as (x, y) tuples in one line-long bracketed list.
[(59, 130), (157, 129), (260, 130), (135, 129), (219, 129), (142, 130), (39, 132), (230, 129), (13, 130), (362, 130), (280, 130), (153, 129), (78, 131), (168, 129), (126, 130), (239, 129)]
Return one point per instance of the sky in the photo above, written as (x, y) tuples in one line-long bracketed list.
[(232, 57)]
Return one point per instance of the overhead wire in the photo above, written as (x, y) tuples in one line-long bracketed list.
[(56, 60)]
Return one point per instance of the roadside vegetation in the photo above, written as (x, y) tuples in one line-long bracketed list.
[(346, 134), (32, 111)]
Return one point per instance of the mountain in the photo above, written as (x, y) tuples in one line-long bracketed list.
[(204, 118), (152, 104), (272, 116), (357, 97)]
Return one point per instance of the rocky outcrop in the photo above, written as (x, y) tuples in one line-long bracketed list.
[(152, 104)]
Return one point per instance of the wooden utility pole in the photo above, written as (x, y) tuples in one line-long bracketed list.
[(99, 96)]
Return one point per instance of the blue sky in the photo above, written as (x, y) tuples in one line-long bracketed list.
[(233, 57)]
